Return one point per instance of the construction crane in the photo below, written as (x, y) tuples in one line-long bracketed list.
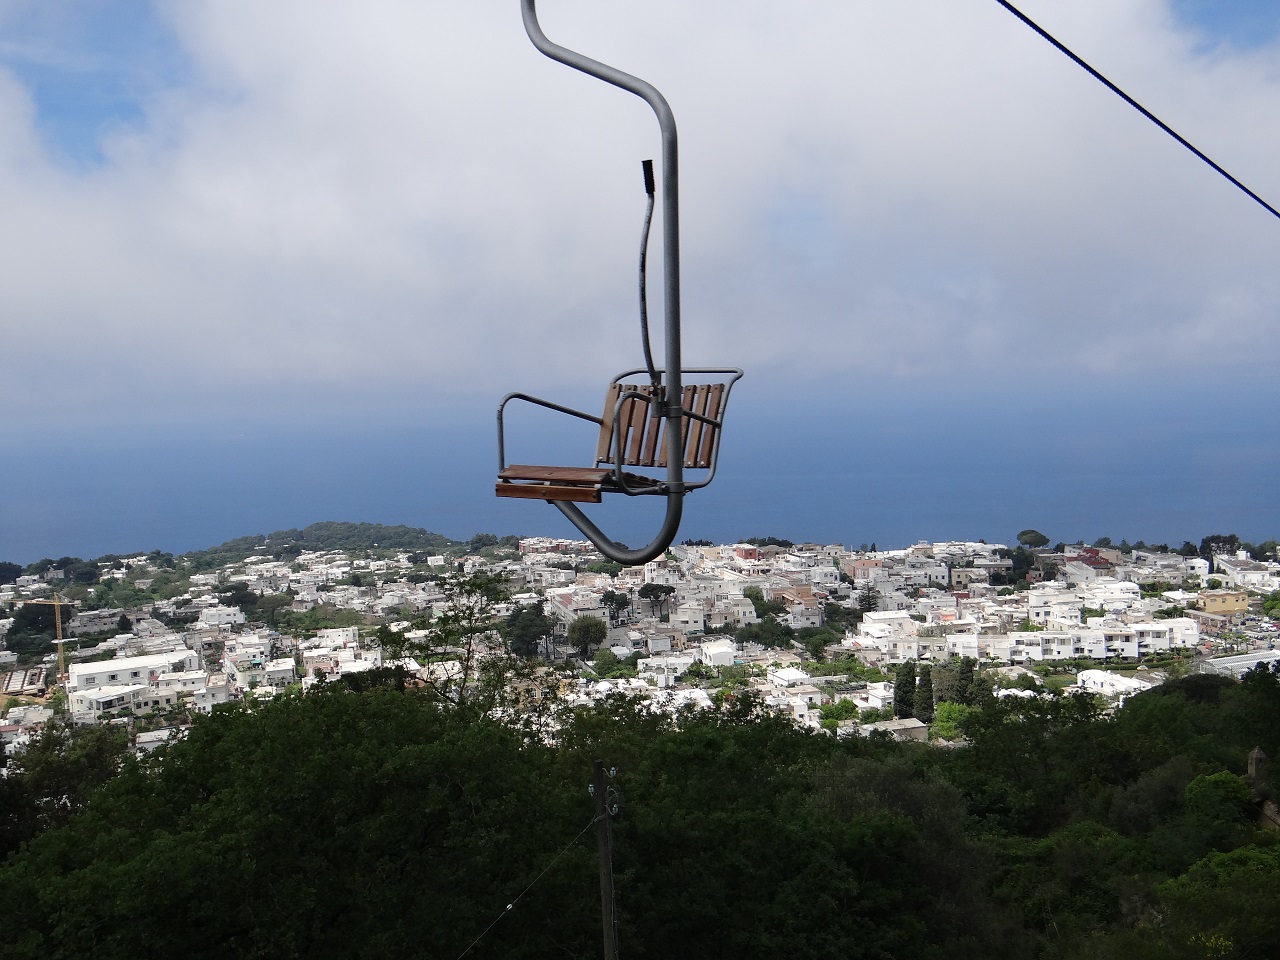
[(57, 603)]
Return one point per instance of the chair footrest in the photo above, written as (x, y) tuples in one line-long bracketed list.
[(547, 491), (579, 484)]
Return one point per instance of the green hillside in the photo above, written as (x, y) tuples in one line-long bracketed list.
[(327, 535)]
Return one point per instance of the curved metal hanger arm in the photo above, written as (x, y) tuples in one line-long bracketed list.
[(671, 299), (621, 553)]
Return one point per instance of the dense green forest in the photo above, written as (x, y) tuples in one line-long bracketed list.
[(380, 823)]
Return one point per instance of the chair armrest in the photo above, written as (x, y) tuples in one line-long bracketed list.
[(537, 401)]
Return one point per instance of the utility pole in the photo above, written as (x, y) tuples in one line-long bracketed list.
[(604, 848)]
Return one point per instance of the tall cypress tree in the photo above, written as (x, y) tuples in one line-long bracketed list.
[(904, 690), (964, 682), (923, 702)]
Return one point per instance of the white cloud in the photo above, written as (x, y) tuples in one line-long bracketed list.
[(356, 195)]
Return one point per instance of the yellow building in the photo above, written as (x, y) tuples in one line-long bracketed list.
[(1223, 601)]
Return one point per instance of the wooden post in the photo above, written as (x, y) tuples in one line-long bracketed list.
[(604, 849)]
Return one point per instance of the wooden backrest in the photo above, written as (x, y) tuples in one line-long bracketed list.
[(642, 437)]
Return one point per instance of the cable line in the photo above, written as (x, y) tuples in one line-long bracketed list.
[(512, 904), (1135, 104)]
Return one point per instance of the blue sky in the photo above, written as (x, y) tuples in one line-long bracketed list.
[(263, 265), (1241, 23), (90, 66)]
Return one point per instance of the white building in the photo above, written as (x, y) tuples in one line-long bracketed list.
[(658, 643), (338, 636), (31, 713), (690, 617), (219, 616), (129, 670), (215, 691), (717, 653), (664, 671), (88, 705), (1110, 685), (783, 677), (1241, 573), (244, 661)]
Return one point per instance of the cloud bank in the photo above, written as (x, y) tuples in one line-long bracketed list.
[(341, 202)]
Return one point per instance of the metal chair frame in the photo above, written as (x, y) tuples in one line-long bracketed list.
[(623, 481), (664, 397)]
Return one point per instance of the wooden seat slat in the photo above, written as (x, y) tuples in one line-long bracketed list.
[(652, 432), (686, 401), (604, 445), (618, 443), (660, 428), (693, 432), (715, 396), (636, 416)]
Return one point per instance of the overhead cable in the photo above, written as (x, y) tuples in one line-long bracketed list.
[(1135, 104), (512, 905)]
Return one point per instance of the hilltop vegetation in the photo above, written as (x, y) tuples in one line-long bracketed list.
[(139, 580), (334, 535), (385, 823), (282, 544)]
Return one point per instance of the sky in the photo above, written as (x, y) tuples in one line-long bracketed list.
[(268, 264)]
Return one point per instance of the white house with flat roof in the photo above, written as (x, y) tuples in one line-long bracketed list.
[(1241, 573), (717, 653), (88, 705), (220, 616), (1111, 685), (783, 677), (215, 691), (690, 617), (129, 670)]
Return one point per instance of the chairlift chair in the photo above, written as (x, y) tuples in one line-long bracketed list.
[(652, 420), (631, 434)]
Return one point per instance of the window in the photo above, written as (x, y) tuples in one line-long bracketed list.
[(111, 676)]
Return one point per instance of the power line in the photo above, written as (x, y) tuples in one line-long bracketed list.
[(512, 904), (1135, 104)]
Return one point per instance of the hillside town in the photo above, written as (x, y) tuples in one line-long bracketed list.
[(806, 627)]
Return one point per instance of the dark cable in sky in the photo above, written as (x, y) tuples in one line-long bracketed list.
[(1135, 104)]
